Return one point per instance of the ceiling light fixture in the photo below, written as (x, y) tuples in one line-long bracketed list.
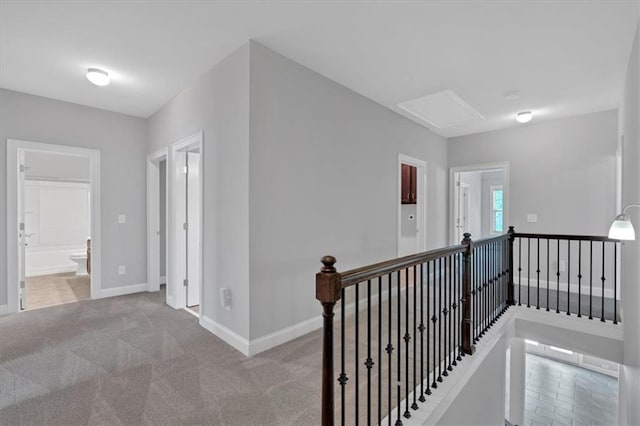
[(524, 116), (622, 228), (98, 77)]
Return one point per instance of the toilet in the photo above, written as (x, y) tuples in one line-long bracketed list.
[(81, 263)]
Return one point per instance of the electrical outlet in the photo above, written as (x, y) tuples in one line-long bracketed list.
[(122, 269), (122, 218), (532, 218)]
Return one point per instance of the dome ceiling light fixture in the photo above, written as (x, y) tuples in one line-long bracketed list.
[(524, 116), (98, 77)]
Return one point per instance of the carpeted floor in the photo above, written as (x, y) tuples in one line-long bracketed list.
[(55, 289), (134, 360)]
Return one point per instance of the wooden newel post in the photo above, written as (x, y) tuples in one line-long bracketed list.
[(467, 314), (328, 290), (510, 295)]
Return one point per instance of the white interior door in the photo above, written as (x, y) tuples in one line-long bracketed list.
[(193, 228), (462, 211), (22, 239)]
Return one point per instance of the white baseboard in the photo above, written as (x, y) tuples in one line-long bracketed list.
[(4, 310), (163, 280), (284, 335), (229, 336), (125, 289), (34, 272)]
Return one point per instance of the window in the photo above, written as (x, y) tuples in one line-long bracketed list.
[(497, 206)]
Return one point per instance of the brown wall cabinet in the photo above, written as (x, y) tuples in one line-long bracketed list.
[(409, 184)]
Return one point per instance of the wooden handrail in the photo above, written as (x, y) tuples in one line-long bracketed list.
[(358, 275)]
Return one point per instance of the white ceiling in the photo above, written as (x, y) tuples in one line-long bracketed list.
[(565, 57)]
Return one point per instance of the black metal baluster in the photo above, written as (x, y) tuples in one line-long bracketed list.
[(356, 383), (538, 274), (369, 362), (603, 280), (486, 288), (434, 319), (590, 278), (456, 308), (414, 406), (615, 283), (406, 339), (558, 281), (428, 391), (449, 314), (528, 272), (422, 328), (343, 375), (579, 278), (380, 350), (399, 363), (389, 350), (548, 271), (440, 319), (568, 277), (474, 292), (519, 271)]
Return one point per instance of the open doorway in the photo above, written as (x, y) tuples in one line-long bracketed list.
[(157, 223), (53, 233), (186, 223), (411, 205), (479, 201)]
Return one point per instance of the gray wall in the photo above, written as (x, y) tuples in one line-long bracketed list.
[(121, 141), (58, 166), (218, 104), (324, 180), (630, 265), (563, 170)]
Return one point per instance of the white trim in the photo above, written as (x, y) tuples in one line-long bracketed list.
[(14, 147), (175, 287), (4, 310), (58, 269), (122, 290), (153, 218), (284, 335), (163, 279), (231, 337), (504, 165), (421, 205)]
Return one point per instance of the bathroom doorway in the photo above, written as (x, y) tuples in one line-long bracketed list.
[(157, 220), (53, 228)]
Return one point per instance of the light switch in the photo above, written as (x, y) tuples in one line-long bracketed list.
[(122, 218), (532, 218), (122, 270)]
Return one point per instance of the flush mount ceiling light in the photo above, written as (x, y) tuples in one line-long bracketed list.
[(98, 77), (524, 116)]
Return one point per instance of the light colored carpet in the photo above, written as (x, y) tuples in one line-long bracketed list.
[(134, 360), (55, 289)]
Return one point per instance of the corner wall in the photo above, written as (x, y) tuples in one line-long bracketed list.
[(630, 262), (218, 105), (324, 180), (563, 170), (121, 141)]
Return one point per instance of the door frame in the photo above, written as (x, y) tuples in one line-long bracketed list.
[(176, 293), (453, 171), (421, 204), (153, 218), (14, 147)]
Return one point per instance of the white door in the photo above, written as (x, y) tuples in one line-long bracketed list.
[(462, 212), (193, 228), (22, 239)]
